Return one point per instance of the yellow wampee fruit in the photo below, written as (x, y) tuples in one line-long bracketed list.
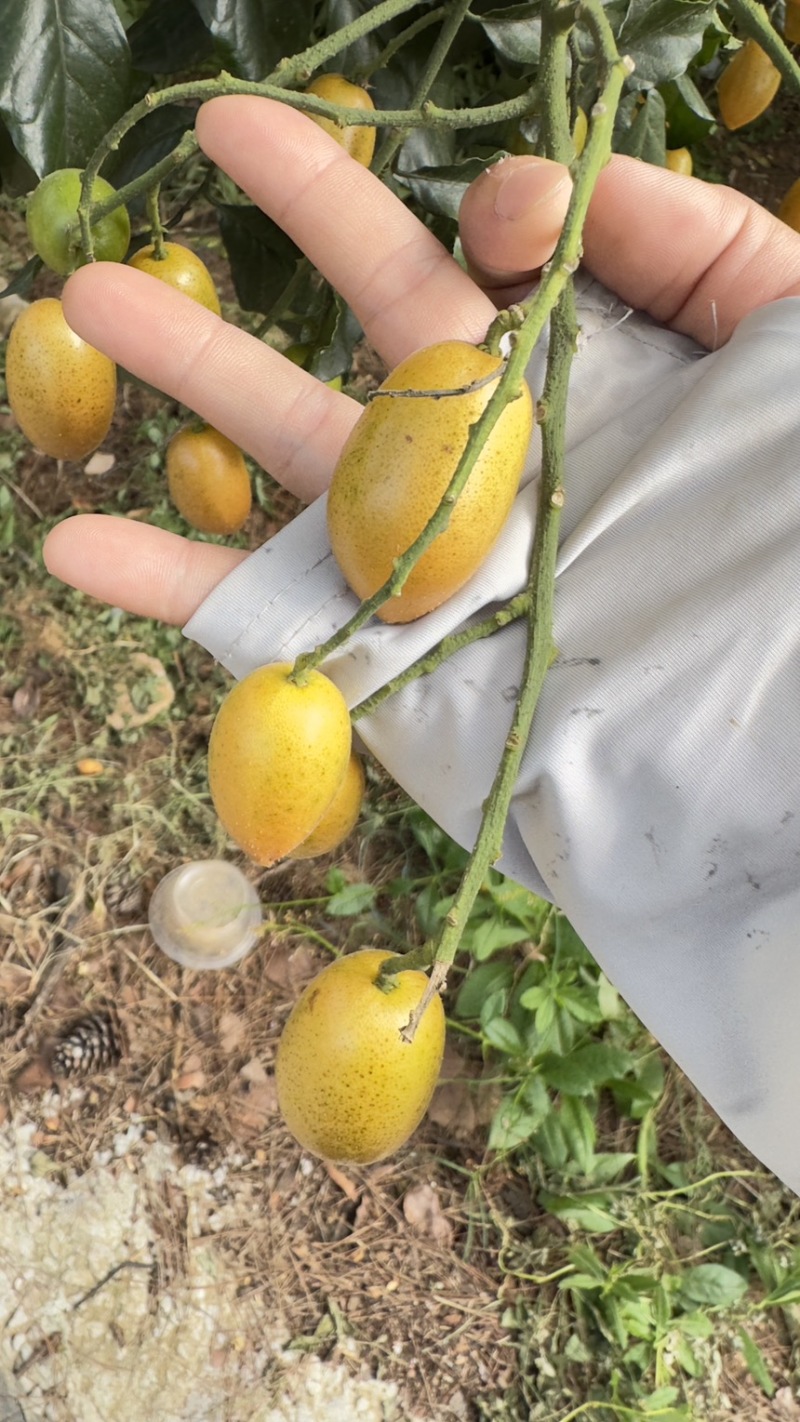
[(182, 268), (398, 462), (349, 1087), (791, 24), (277, 755), (61, 390), (208, 479), (679, 160), (356, 140), (747, 86), (789, 210), (340, 817)]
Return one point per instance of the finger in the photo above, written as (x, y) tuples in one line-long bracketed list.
[(131, 565), (510, 220), (697, 256), (289, 421), (405, 288)]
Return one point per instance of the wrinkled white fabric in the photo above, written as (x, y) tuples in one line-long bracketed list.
[(659, 800)]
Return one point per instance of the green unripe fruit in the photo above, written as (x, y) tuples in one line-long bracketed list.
[(52, 217)]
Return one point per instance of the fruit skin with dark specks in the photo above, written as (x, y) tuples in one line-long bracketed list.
[(747, 86), (349, 1087), (356, 140), (340, 817), (397, 464), (208, 479), (61, 390), (52, 212), (182, 268), (277, 755)]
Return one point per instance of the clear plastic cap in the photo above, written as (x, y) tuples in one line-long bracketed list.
[(205, 914)]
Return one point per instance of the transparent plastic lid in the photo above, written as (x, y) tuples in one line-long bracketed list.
[(205, 914)]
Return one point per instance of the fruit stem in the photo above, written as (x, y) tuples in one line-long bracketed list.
[(556, 294), (754, 21)]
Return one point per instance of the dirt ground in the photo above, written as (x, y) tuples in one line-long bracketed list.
[(166, 1249)]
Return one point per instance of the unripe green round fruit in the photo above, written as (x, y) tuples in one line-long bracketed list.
[(53, 212)]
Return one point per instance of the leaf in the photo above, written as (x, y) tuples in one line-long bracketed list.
[(488, 936), (351, 900), (515, 32), (584, 1069), (335, 357), (756, 1362), (589, 1212), (689, 119), (579, 1132), (662, 36), (363, 52), (503, 1036), (169, 38), (517, 1118), (569, 945), (646, 134), (488, 979), (713, 1284), (156, 135), (786, 1293), (22, 282), (263, 259), (254, 34), (64, 78), (441, 189)]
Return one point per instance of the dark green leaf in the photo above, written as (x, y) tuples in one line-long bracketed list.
[(589, 1212), (169, 38), (502, 1035), (663, 36), (440, 190), (516, 1120), (641, 127), (516, 32), (64, 76), (395, 88), (550, 1143), (488, 979), (689, 119), (785, 1294), (254, 34), (366, 50), (335, 357), (579, 1132), (22, 283), (756, 1362), (584, 1069), (490, 935), (147, 143), (262, 257), (713, 1284), (351, 900)]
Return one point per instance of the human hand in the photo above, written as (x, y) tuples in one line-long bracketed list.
[(696, 257)]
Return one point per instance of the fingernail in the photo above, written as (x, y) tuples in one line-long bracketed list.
[(526, 186)]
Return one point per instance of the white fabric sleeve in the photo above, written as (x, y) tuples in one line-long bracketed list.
[(659, 799)]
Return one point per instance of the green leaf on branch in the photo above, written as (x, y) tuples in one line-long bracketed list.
[(756, 1362), (482, 982), (335, 355), (689, 119), (584, 1070), (254, 34), (351, 900), (155, 136), (64, 77), (663, 36), (263, 259), (515, 32), (642, 127), (589, 1212)]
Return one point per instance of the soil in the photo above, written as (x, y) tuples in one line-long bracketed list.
[(165, 1247)]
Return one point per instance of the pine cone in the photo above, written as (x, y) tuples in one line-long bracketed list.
[(93, 1043)]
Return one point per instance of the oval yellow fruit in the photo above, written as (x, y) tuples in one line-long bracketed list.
[(356, 140), (277, 755), (182, 268), (747, 86), (398, 462), (679, 160), (340, 817), (208, 479), (349, 1087), (789, 210), (61, 390)]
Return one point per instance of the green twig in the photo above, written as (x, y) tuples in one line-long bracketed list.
[(754, 21), (555, 298)]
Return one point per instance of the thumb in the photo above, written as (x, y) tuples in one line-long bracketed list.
[(510, 219)]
